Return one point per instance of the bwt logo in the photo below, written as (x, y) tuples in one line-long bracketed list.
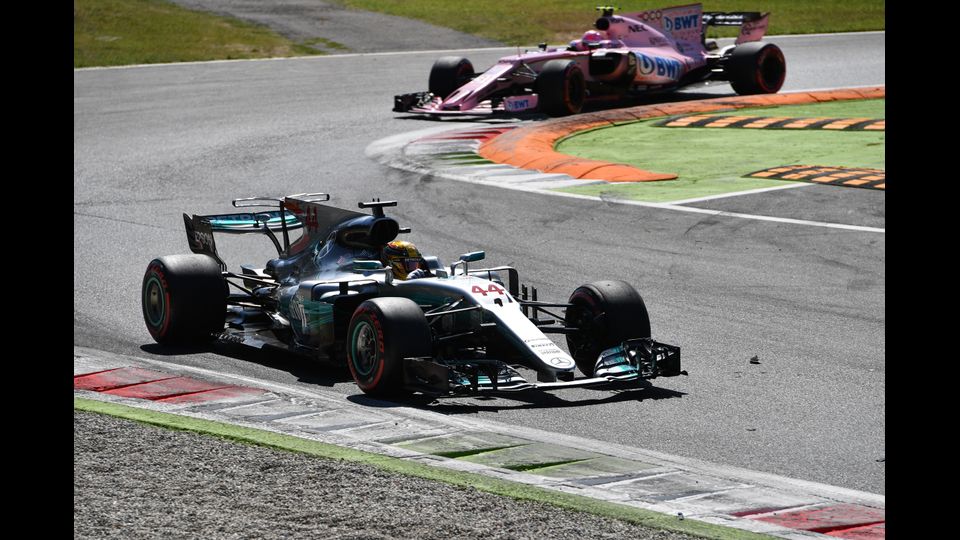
[(663, 67), (518, 105), (668, 68), (646, 65), (681, 23)]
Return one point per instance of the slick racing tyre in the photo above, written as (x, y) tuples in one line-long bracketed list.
[(448, 74), (184, 299), (756, 68), (561, 87), (605, 313), (382, 332)]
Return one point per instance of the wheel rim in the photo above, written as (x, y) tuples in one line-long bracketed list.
[(771, 71), (575, 92), (154, 303), (365, 349), (581, 343)]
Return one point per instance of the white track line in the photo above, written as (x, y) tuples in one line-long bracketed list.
[(719, 213), (739, 193), (662, 206), (377, 151)]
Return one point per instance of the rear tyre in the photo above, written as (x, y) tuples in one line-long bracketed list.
[(561, 87), (448, 74), (184, 299), (382, 332), (756, 68), (606, 313)]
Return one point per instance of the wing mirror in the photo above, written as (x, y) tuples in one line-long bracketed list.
[(374, 266), (367, 266), (465, 259)]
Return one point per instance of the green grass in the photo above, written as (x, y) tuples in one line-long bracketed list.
[(121, 32), (712, 161), (558, 21)]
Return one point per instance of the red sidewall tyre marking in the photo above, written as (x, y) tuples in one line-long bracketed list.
[(156, 271), (372, 318)]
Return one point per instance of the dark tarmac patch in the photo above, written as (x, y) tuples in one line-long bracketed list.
[(776, 122), (333, 29), (834, 176)]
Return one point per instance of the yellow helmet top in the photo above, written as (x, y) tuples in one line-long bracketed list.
[(403, 257)]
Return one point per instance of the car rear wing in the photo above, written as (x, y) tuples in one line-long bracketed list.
[(753, 24), (248, 222), (300, 211), (200, 228)]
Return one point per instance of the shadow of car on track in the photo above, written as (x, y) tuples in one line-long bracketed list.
[(529, 399), (328, 374), (647, 99), (308, 372)]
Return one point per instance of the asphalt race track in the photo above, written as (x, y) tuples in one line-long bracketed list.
[(153, 142)]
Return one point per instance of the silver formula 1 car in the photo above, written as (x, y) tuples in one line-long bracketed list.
[(460, 330), (625, 55)]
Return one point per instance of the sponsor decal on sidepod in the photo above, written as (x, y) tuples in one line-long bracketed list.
[(661, 67)]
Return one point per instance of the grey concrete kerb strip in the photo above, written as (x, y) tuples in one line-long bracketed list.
[(426, 152)]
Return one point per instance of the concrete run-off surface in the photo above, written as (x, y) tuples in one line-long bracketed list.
[(649, 481)]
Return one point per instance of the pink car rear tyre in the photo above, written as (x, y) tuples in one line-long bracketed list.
[(756, 68)]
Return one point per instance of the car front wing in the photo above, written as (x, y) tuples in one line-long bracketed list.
[(633, 360)]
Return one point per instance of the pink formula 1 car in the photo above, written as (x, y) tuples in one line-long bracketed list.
[(626, 54)]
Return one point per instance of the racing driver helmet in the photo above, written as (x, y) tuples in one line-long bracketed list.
[(403, 257), (591, 39)]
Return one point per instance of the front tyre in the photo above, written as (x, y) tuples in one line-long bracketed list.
[(449, 73), (382, 332), (184, 299), (756, 68), (561, 87), (605, 313)]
